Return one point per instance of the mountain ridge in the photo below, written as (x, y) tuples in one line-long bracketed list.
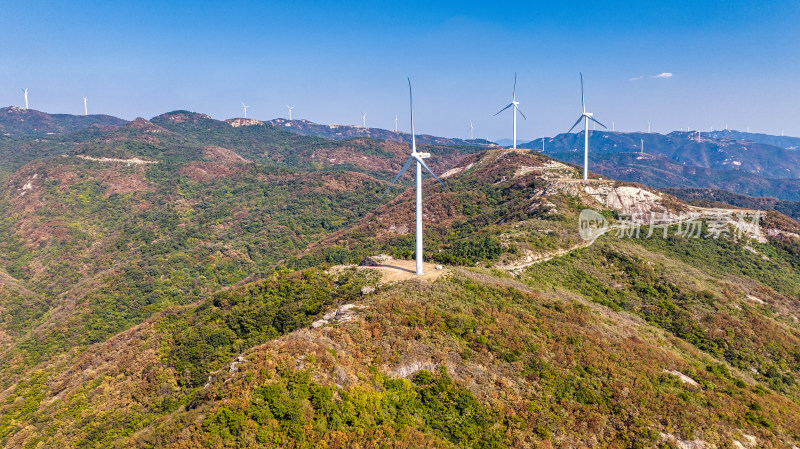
[(212, 297)]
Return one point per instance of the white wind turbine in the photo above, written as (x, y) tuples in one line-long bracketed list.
[(418, 157), (244, 106), (471, 131), (515, 104), (290, 111), (395, 123), (85, 107), (585, 116), (26, 97), (364, 117)]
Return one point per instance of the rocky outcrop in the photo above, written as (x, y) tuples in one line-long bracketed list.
[(237, 122)]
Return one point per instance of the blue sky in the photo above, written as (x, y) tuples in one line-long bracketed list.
[(732, 62)]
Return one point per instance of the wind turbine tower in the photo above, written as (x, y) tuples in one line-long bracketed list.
[(642, 151), (515, 104), (290, 111), (244, 106), (418, 158), (585, 116), (26, 97), (364, 118), (85, 107), (648, 127), (471, 131), (395, 123)]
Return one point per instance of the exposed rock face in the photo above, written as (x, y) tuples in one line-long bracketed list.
[(131, 161), (237, 122), (342, 314), (625, 199), (145, 125)]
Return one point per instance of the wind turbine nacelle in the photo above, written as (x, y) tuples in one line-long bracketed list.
[(588, 114), (423, 155)]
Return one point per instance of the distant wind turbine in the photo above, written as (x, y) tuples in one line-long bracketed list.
[(613, 127), (364, 118), (471, 131), (585, 116), (418, 157), (395, 123), (85, 107), (642, 145), (244, 106), (26, 97), (290, 111), (515, 104), (648, 127)]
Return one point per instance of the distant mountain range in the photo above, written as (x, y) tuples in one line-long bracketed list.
[(748, 163), (29, 122), (341, 132), (682, 159), (703, 151), (791, 143)]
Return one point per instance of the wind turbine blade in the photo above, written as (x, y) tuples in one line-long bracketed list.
[(576, 124), (501, 110), (514, 94), (429, 170), (583, 103), (411, 107), (520, 111), (593, 119), (403, 170)]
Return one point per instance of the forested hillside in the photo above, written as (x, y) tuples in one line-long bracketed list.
[(181, 282)]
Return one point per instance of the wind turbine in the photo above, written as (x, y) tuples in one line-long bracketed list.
[(364, 117), (85, 107), (648, 127), (244, 106), (585, 116), (26, 97), (515, 104), (290, 111), (471, 131), (418, 157), (395, 123)]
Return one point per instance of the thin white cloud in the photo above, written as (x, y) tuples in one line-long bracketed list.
[(663, 75), (635, 78)]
